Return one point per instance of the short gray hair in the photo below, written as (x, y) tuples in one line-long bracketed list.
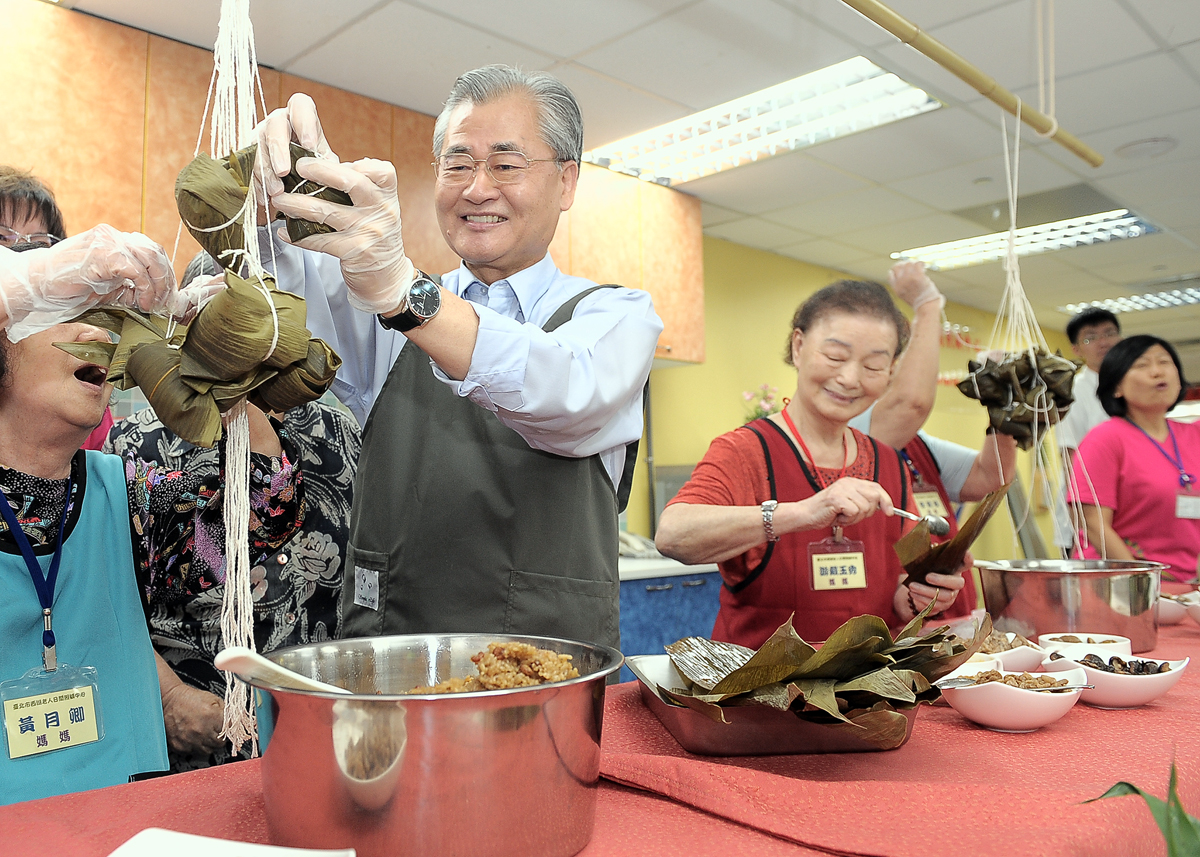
[(558, 112)]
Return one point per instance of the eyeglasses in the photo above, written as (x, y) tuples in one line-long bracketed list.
[(11, 238), (1103, 336), (503, 167)]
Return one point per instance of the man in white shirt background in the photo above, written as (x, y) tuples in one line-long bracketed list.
[(495, 451), (1093, 332)]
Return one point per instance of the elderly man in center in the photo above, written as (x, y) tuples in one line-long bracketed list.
[(502, 407)]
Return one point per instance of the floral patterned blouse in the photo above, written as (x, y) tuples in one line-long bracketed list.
[(296, 583)]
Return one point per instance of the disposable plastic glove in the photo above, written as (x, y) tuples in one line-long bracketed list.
[(368, 241), (101, 267), (909, 281), (298, 121), (189, 300)]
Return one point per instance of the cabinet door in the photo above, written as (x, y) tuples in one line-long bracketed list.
[(649, 616), (699, 600)]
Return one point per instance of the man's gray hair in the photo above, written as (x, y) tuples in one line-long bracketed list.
[(558, 112)]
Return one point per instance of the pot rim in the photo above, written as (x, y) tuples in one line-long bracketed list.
[(614, 656), (1072, 566)]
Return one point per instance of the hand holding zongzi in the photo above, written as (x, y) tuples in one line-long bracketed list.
[(368, 239), (101, 267), (297, 122)]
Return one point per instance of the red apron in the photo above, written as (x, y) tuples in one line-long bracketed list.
[(927, 471), (781, 584)]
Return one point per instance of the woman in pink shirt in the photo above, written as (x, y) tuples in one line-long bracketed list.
[(1135, 476)]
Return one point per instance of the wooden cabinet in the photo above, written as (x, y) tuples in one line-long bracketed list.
[(642, 235)]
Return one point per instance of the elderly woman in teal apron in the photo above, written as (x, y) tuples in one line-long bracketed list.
[(78, 679)]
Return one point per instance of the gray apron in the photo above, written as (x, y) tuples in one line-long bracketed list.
[(459, 526)]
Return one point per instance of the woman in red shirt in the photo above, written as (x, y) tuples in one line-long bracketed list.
[(787, 504)]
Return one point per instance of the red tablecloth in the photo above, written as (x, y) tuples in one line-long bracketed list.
[(954, 789)]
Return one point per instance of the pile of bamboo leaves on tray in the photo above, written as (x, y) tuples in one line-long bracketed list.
[(1025, 392), (860, 679)]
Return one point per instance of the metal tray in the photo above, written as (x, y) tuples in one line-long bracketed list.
[(752, 730)]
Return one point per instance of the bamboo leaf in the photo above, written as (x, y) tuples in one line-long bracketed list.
[(818, 694), (98, 353)]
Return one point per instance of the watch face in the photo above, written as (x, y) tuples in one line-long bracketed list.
[(424, 299)]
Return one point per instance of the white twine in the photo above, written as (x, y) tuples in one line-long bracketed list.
[(231, 93), (237, 607)]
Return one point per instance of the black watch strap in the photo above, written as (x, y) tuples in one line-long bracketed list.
[(410, 320)]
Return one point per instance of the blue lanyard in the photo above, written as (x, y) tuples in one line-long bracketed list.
[(43, 582), (1185, 478)]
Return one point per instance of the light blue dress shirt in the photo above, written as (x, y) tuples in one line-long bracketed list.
[(576, 391)]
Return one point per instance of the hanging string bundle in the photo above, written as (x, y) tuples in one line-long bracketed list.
[(248, 342)]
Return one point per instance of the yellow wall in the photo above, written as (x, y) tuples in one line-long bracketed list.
[(750, 296)]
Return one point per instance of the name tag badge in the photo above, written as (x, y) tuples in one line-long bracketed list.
[(837, 565), (48, 711), (366, 587), (1187, 506), (929, 501)]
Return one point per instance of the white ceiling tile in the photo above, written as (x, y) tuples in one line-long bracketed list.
[(857, 209), (756, 233), (1190, 54), (1175, 21), (715, 215), (920, 144), (282, 28), (1182, 126), (1154, 183), (1118, 95), (527, 22), (717, 50), (417, 79), (822, 251), (772, 184), (905, 234), (1127, 261), (1182, 212), (1141, 275), (612, 109), (961, 186)]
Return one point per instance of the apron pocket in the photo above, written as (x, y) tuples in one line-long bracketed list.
[(553, 606)]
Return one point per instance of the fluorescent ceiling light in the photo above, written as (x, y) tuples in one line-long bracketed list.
[(851, 96), (1061, 234), (1138, 303)]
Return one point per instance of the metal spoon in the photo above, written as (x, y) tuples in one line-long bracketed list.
[(251, 665), (937, 525), (969, 681)]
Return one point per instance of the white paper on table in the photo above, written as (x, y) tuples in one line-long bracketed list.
[(154, 842)]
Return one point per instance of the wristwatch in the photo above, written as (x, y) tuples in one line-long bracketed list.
[(768, 513), (423, 301)]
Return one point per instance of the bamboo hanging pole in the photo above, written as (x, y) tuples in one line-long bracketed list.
[(985, 85)]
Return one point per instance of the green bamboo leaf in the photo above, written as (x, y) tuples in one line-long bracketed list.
[(708, 709), (818, 694), (882, 682), (777, 660), (885, 729), (99, 353)]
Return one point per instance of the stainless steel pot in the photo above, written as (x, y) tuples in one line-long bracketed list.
[(1040, 596), (497, 773)]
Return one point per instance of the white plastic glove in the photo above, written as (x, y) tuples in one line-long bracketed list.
[(299, 122), (100, 267), (908, 280), (368, 241), (189, 300)]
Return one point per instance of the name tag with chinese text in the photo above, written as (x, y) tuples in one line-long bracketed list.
[(837, 565), (44, 712)]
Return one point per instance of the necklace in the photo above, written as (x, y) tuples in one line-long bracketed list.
[(787, 418)]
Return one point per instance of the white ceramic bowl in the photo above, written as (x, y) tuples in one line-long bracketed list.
[(1112, 690), (1119, 646), (1011, 709), (1170, 611), (1193, 609), (978, 663), (1020, 659)]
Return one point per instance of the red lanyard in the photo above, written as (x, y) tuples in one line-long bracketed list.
[(817, 470)]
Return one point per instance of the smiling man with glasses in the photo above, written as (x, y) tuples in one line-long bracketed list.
[(500, 448)]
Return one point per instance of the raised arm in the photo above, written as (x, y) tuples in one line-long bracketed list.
[(906, 405)]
